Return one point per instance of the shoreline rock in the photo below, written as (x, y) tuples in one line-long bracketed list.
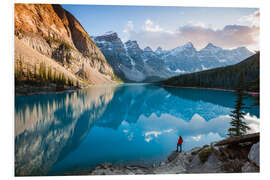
[(230, 158)]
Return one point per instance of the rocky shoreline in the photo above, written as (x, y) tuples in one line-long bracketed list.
[(231, 157)]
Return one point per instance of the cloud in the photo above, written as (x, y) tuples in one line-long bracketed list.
[(253, 19), (200, 34), (253, 122), (149, 135), (196, 132), (201, 139), (155, 126), (129, 27), (150, 26), (228, 37)]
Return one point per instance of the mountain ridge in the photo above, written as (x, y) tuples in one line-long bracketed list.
[(162, 64)]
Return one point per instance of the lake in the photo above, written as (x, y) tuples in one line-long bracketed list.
[(129, 123)]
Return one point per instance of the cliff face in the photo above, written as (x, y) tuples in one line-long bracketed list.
[(52, 31)]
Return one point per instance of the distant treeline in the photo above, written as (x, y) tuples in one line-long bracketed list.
[(223, 77), (41, 76)]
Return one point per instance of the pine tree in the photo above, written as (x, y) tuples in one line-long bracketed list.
[(35, 71), (28, 73), (45, 72), (50, 78), (41, 71), (55, 77), (238, 125), (21, 73), (16, 71)]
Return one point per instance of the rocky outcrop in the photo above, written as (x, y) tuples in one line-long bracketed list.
[(53, 32), (249, 167), (254, 154), (228, 158)]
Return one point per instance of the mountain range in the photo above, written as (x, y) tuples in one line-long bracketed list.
[(48, 34), (131, 63)]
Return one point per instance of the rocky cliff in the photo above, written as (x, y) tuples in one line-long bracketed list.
[(50, 32)]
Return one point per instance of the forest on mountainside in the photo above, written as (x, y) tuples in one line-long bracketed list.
[(223, 77)]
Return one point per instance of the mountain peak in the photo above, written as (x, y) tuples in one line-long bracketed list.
[(189, 45), (159, 48), (110, 33), (243, 50), (108, 36), (186, 47), (132, 44), (148, 49), (210, 45)]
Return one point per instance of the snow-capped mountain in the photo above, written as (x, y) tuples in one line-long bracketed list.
[(186, 58), (129, 61), (132, 63)]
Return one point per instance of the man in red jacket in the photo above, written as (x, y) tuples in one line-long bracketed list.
[(179, 143)]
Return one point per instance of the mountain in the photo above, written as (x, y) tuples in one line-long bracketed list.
[(131, 63), (48, 34), (222, 77), (186, 59)]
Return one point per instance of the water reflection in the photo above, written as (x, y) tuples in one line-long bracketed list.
[(216, 97), (47, 127), (121, 124)]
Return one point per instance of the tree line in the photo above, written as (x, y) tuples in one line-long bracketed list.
[(223, 77), (41, 76)]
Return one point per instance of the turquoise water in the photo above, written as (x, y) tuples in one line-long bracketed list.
[(131, 123)]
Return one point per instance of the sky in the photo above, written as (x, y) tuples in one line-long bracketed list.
[(169, 27)]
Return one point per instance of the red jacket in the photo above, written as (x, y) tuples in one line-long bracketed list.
[(180, 140)]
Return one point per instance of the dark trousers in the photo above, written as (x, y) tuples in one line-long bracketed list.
[(179, 145)]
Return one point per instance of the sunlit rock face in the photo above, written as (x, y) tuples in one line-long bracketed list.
[(48, 30), (46, 127)]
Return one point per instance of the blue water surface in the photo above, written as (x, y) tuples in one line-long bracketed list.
[(122, 124)]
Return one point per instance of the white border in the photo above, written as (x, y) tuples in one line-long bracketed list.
[(7, 89)]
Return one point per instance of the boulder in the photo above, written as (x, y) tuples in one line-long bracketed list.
[(212, 165), (249, 167), (177, 165), (254, 154), (172, 156), (194, 151)]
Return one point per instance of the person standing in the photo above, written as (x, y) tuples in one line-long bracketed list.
[(179, 144)]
